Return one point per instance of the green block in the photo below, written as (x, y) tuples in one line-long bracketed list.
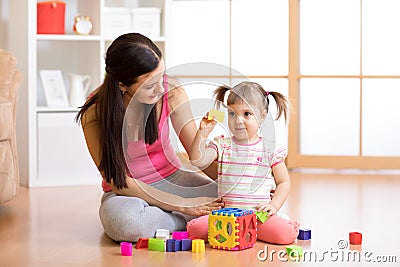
[(262, 216), (156, 244), (294, 251)]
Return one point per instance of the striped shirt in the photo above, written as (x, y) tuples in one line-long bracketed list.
[(245, 171)]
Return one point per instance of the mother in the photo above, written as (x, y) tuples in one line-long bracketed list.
[(149, 191)]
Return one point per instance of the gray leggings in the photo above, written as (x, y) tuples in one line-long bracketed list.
[(128, 218)]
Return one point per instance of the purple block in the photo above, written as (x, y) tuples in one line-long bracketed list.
[(186, 244), (304, 234)]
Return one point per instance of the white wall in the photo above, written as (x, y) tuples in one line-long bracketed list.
[(4, 24)]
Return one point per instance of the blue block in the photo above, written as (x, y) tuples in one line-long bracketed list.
[(170, 245), (186, 244), (173, 245), (178, 245), (304, 234)]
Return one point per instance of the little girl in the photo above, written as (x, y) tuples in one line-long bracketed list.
[(245, 179)]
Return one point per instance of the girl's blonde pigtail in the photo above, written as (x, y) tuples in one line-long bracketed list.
[(282, 104), (219, 95)]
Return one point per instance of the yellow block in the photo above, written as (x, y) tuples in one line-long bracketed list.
[(216, 114), (198, 245)]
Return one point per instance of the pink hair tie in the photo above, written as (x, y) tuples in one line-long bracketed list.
[(266, 93)]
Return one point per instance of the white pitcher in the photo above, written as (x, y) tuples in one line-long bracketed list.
[(78, 90)]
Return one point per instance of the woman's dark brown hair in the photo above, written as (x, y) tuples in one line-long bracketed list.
[(128, 57)]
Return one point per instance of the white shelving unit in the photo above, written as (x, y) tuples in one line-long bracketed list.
[(51, 147)]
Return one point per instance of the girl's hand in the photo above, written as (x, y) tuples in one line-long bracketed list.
[(271, 209), (206, 125), (201, 205)]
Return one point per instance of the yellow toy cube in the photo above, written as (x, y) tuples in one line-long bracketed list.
[(232, 229)]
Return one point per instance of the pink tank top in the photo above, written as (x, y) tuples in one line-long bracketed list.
[(152, 163)]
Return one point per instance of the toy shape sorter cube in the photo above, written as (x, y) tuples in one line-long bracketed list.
[(232, 229)]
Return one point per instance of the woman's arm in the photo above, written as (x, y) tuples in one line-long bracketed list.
[(181, 115), (191, 206)]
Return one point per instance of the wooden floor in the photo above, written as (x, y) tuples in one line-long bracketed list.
[(60, 227)]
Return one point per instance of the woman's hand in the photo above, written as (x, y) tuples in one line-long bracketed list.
[(267, 207), (201, 205)]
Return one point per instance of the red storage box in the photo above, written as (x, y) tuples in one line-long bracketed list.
[(51, 17)]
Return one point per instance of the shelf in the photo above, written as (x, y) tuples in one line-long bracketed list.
[(43, 128), (67, 37), (71, 37)]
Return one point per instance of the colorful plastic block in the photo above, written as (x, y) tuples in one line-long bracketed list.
[(170, 245), (304, 234), (294, 251), (179, 235), (178, 245), (198, 245), (216, 114), (232, 229), (262, 216), (173, 245), (126, 248), (355, 238), (156, 244), (142, 243), (162, 234), (186, 244)]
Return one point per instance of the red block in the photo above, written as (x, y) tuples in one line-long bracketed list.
[(51, 17), (142, 243), (355, 238)]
